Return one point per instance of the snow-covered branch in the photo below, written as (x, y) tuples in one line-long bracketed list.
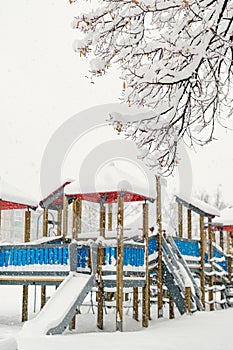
[(175, 58)]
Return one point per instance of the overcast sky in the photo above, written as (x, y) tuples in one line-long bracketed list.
[(43, 84)]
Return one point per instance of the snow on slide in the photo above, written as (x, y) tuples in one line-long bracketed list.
[(69, 294)]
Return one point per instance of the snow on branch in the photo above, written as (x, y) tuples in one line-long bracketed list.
[(175, 58)]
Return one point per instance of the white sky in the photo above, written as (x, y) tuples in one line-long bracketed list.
[(43, 84)]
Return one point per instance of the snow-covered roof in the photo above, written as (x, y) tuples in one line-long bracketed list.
[(198, 206), (114, 180), (226, 217), (12, 198)]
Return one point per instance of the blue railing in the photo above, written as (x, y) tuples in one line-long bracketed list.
[(189, 248), (217, 254), (132, 255)]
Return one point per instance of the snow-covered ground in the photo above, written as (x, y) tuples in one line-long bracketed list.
[(202, 330)]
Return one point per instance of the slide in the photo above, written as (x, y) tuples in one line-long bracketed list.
[(57, 313)]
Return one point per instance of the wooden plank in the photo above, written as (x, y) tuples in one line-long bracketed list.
[(159, 245), (43, 296), (221, 238), (202, 262), (229, 259), (120, 257), (171, 308)]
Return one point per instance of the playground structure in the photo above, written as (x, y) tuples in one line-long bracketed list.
[(189, 273)]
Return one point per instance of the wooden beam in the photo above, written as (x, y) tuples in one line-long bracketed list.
[(159, 245), (42, 296), (180, 220), (211, 278), (146, 289), (120, 257), (27, 226), (221, 238), (202, 264), (189, 219), (110, 217)]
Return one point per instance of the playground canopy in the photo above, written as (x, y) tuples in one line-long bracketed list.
[(226, 219), (55, 199), (197, 206), (12, 198)]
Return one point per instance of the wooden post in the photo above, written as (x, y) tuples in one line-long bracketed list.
[(45, 234), (120, 257), (146, 289), (211, 278), (180, 220), (27, 225), (159, 245), (188, 299), (59, 221), (171, 308), (102, 220), (65, 218), (100, 293), (110, 217), (135, 303), (221, 238), (202, 267), (79, 216), (45, 222), (74, 218), (189, 217), (229, 259)]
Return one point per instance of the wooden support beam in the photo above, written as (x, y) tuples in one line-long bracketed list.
[(180, 220), (171, 308), (159, 248), (146, 289), (102, 220), (65, 218), (189, 219), (45, 222), (110, 217), (27, 226), (59, 221), (188, 299), (120, 257), (202, 265), (100, 293), (211, 278), (135, 304)]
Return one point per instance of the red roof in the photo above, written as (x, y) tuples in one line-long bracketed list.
[(55, 199), (6, 205), (110, 197)]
